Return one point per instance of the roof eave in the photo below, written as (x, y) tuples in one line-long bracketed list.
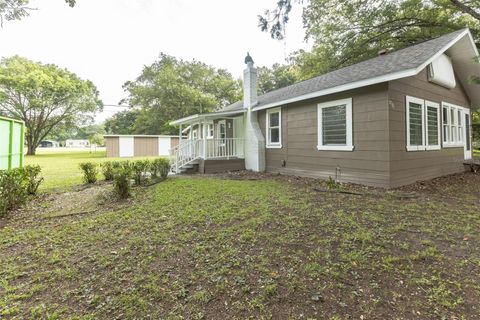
[(370, 81), (204, 116)]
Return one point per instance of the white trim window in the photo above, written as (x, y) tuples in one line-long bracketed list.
[(210, 130), (452, 125), (432, 126), (274, 128), (423, 124), (335, 129)]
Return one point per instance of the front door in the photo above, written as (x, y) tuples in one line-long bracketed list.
[(468, 136)]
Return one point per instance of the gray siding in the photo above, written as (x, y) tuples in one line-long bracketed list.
[(145, 146), (218, 166), (367, 164), (410, 166), (112, 145)]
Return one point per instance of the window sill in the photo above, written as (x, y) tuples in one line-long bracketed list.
[(452, 146), (273, 146), (335, 148), (422, 148)]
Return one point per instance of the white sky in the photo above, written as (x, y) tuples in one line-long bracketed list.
[(109, 41)]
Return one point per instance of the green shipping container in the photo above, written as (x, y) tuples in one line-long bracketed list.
[(11, 143)]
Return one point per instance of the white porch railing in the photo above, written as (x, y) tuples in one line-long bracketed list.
[(188, 151), (223, 148)]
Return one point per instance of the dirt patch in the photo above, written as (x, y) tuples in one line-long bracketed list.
[(81, 200)]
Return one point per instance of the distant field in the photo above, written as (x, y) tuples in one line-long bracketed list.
[(60, 167)]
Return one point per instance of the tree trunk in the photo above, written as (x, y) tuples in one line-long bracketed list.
[(31, 147)]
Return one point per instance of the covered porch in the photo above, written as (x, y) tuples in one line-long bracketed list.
[(209, 142)]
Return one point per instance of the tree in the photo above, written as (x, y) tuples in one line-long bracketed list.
[(97, 139), (18, 9), (347, 31), (171, 88), (44, 96), (122, 122), (276, 77)]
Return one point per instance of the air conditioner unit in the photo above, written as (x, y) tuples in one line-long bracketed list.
[(440, 71)]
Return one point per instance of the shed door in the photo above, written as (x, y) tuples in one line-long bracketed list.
[(126, 146), (4, 143), (163, 146), (17, 148)]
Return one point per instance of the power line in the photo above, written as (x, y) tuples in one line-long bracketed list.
[(117, 106)]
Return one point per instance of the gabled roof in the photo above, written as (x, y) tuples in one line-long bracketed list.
[(398, 64), (406, 62)]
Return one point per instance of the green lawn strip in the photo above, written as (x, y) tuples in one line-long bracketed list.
[(198, 247), (61, 169)]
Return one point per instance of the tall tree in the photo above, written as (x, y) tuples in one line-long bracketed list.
[(18, 9), (171, 88), (276, 77), (122, 122), (347, 31), (44, 96)]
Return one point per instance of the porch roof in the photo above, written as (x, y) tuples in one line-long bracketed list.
[(205, 116)]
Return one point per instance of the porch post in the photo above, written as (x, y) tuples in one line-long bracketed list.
[(204, 138), (180, 134)]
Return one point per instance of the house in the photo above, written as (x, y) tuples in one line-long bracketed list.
[(388, 121), (139, 145), (77, 143), (49, 144)]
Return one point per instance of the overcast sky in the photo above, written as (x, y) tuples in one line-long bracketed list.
[(109, 41)]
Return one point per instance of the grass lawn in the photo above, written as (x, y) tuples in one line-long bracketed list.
[(247, 248), (60, 169)]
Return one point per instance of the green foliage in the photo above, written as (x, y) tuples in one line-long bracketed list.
[(90, 172), (159, 167), (32, 173), (122, 184), (348, 31), (97, 139), (139, 171), (171, 88), (108, 170), (122, 122), (44, 96), (13, 189), (278, 76), (18, 9)]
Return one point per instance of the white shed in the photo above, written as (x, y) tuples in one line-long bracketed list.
[(139, 145)]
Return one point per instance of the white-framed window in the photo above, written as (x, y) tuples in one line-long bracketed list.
[(222, 131), (423, 124), (210, 131), (432, 125), (335, 129), (274, 128), (452, 125)]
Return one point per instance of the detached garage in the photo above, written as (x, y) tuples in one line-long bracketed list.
[(139, 145)]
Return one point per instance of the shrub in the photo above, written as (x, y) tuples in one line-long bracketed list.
[(160, 167), (139, 170), (90, 172), (13, 189), (122, 184), (107, 170), (31, 174)]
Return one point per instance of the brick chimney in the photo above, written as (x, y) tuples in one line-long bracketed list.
[(254, 146), (249, 83)]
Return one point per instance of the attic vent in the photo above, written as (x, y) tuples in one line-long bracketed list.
[(440, 71)]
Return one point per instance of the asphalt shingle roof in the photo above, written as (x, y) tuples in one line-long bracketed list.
[(404, 59)]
